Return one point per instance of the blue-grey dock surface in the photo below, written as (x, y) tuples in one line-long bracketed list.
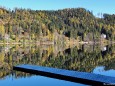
[(74, 76)]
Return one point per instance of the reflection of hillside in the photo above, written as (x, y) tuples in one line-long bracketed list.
[(82, 58), (110, 65), (24, 55), (5, 66)]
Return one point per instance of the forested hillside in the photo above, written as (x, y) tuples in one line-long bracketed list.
[(20, 25)]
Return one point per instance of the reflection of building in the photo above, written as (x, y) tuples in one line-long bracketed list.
[(103, 36)]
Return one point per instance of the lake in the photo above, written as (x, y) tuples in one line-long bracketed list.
[(99, 59)]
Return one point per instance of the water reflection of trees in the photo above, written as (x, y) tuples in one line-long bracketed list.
[(81, 58)]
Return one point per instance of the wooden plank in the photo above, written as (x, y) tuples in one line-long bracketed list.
[(74, 76)]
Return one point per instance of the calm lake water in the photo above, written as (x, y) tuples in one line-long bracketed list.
[(99, 59)]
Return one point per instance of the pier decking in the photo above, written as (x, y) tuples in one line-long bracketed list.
[(74, 76)]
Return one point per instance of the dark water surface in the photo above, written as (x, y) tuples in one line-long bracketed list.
[(99, 59)]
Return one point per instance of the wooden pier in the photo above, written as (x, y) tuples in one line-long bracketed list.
[(73, 76)]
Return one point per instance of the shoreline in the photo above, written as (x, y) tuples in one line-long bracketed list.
[(52, 43)]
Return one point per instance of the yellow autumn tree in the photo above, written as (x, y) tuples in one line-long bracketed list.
[(2, 30)]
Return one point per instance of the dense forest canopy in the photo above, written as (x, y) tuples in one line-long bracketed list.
[(76, 23)]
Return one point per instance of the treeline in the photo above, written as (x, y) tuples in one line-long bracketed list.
[(77, 23)]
